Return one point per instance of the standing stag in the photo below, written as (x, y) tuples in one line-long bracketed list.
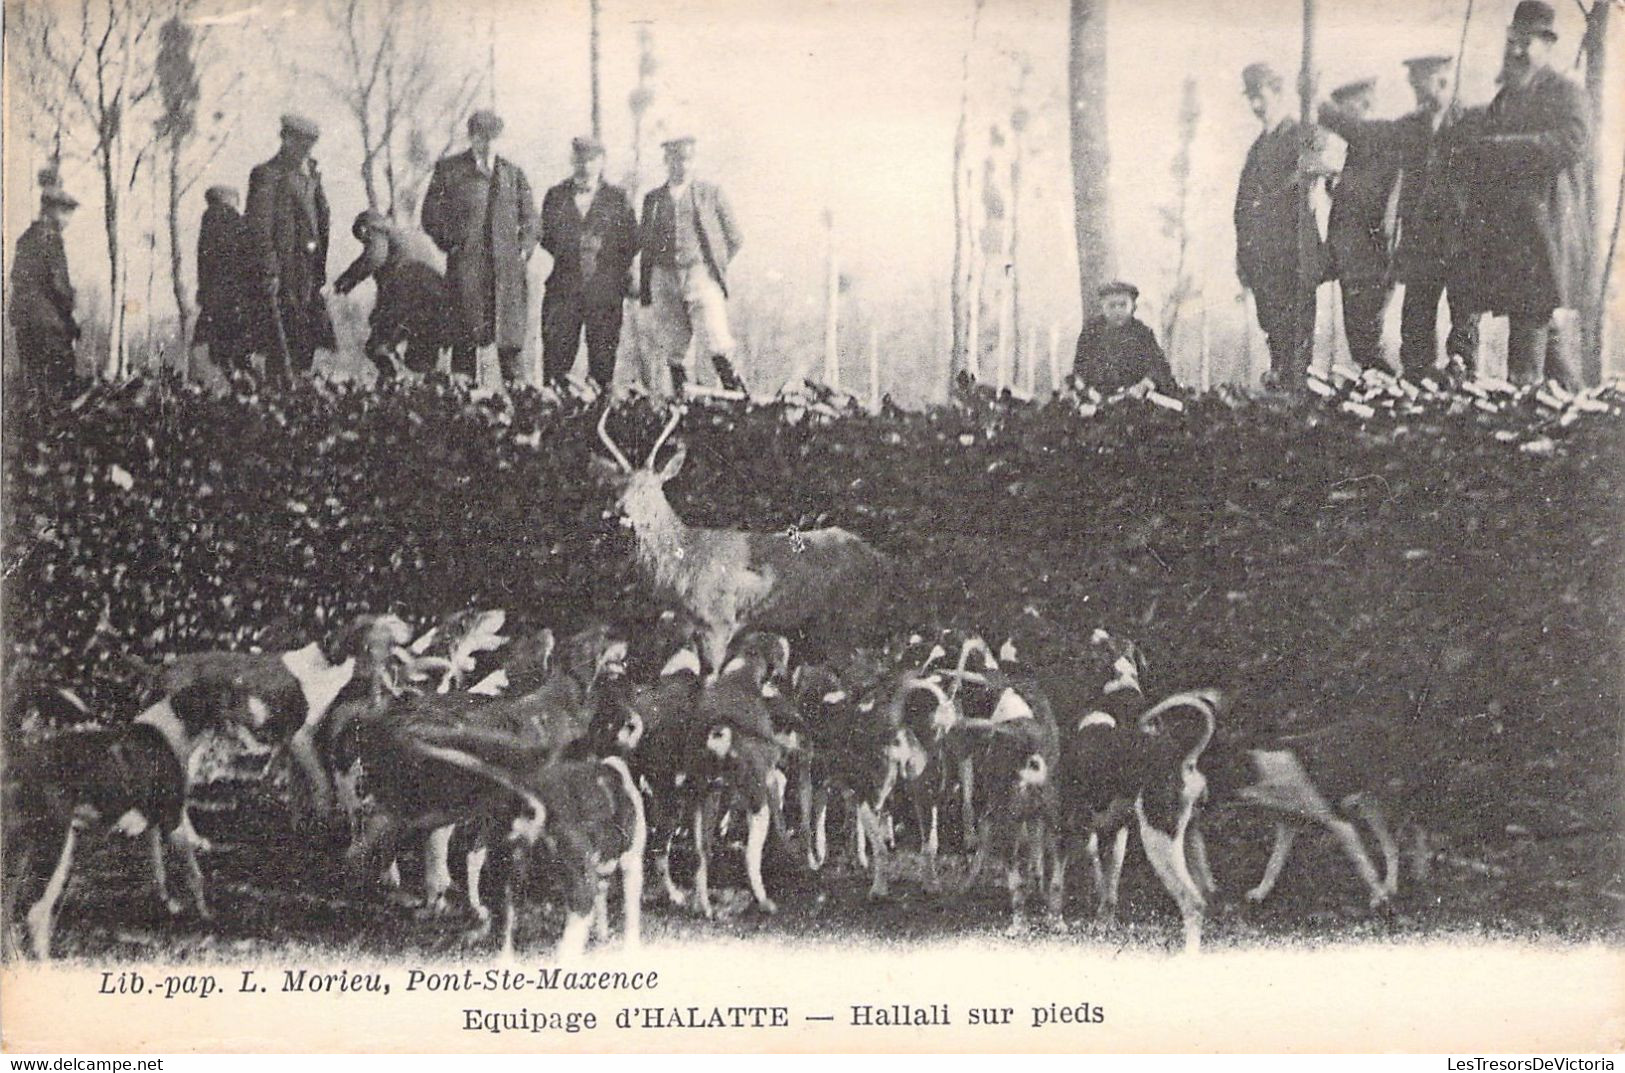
[(821, 585)]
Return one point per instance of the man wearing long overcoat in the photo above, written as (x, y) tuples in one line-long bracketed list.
[(590, 231), (479, 210), (1266, 219), (1358, 232), (288, 227), (410, 307), (223, 286), (1525, 242), (41, 311)]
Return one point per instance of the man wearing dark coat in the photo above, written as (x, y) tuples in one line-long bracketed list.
[(411, 306), (1525, 240), (1266, 219), (41, 310), (223, 286), (1358, 233), (590, 231), (288, 222), (1117, 350), (479, 210)]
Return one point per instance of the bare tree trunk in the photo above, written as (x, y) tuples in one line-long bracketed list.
[(961, 291), (1090, 155), (1308, 230), (874, 368), (183, 308), (1017, 357), (832, 307), (117, 354), (1594, 47), (597, 76)]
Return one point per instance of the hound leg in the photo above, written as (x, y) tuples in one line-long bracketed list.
[(755, 840), (160, 874), (1016, 873), (512, 892), (869, 823), (1055, 909), (1371, 812), (1091, 848), (925, 821), (600, 910), (861, 837), (1348, 837), (302, 748), (984, 849), (185, 839), (474, 866), (1421, 854), (818, 844), (1201, 869), (42, 914), (632, 879), (705, 816), (1107, 907), (436, 871), (1166, 852), (1285, 835), (967, 801)]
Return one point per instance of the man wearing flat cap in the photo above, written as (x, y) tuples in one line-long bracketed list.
[(1359, 231), (224, 289), (479, 210), (1266, 219), (590, 231), (1117, 350), (689, 236), (410, 308), (288, 222), (1524, 244), (41, 310)]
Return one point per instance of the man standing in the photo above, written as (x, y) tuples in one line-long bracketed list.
[(42, 298), (1525, 235), (288, 225), (689, 237), (1358, 233), (222, 287), (480, 211), (410, 306), (589, 229), (1430, 224), (1266, 218)]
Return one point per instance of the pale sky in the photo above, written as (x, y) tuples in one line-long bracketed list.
[(850, 105)]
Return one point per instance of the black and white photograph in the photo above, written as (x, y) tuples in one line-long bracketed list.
[(813, 525)]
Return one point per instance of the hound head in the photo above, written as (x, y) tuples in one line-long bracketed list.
[(1034, 772), (594, 653), (630, 732), (923, 706), (640, 493), (905, 753), (720, 741), (1122, 665)]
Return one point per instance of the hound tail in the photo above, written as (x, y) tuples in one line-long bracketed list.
[(1204, 702)]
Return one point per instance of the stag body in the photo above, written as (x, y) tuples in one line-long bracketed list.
[(818, 584)]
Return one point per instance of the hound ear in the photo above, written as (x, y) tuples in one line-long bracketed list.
[(674, 464), (1138, 657)]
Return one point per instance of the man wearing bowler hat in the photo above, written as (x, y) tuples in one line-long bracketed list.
[(589, 229), (288, 223), (41, 310), (1359, 231), (1266, 219), (480, 211), (689, 235), (1524, 243)]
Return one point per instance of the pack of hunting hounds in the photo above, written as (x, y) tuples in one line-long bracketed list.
[(763, 703)]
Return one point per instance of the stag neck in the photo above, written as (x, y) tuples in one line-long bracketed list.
[(662, 541)]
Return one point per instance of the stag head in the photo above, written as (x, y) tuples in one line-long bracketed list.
[(640, 496)]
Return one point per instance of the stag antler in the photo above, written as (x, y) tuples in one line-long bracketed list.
[(665, 433), (615, 452)]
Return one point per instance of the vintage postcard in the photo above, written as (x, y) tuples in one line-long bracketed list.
[(813, 526)]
